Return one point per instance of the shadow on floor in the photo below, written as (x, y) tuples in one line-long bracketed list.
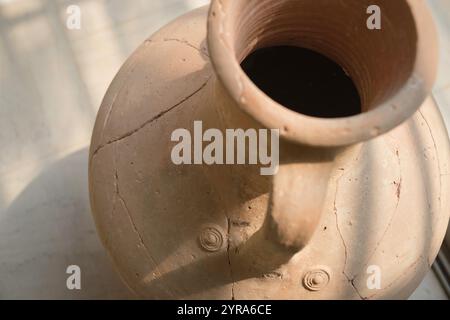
[(49, 227)]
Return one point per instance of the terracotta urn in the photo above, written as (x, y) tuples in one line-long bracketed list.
[(357, 200)]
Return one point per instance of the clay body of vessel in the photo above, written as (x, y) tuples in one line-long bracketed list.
[(351, 193)]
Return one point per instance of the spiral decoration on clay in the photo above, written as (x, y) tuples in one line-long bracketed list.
[(211, 238), (316, 279)]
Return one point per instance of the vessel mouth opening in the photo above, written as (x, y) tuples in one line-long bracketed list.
[(378, 61), (303, 81)]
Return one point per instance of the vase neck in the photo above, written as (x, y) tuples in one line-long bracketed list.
[(405, 47)]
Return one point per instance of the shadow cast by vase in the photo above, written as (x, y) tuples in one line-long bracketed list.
[(49, 227)]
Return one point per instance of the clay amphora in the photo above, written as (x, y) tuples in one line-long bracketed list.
[(360, 204)]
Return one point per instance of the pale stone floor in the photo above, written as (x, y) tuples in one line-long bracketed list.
[(51, 83)]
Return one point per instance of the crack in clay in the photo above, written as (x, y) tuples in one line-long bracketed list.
[(133, 224), (116, 191), (146, 123), (352, 283), (397, 194), (229, 225), (113, 102), (437, 155), (343, 240), (412, 265), (336, 212), (187, 43), (437, 161), (117, 195), (132, 67), (229, 258), (337, 224)]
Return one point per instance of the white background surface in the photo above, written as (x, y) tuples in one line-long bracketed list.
[(52, 81)]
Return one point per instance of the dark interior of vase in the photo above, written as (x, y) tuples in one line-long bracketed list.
[(351, 69), (304, 81)]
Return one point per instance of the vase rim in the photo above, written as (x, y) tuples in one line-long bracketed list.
[(313, 131)]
